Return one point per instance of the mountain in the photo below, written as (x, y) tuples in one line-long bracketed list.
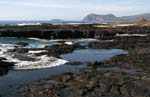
[(136, 17), (95, 18)]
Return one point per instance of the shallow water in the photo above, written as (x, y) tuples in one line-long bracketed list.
[(92, 55), (12, 78), (10, 81)]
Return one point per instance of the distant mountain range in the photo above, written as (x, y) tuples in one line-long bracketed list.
[(96, 18)]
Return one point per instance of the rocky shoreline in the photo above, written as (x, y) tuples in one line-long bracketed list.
[(131, 79), (48, 31), (93, 82)]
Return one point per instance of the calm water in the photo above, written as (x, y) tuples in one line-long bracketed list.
[(10, 81), (92, 55), (12, 78)]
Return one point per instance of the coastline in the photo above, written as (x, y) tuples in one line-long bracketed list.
[(131, 78)]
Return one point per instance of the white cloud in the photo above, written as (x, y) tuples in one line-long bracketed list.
[(80, 6), (65, 9)]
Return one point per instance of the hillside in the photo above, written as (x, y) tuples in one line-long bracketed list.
[(95, 18)]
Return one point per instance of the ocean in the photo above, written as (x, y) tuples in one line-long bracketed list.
[(39, 22)]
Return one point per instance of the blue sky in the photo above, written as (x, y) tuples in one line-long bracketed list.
[(68, 9)]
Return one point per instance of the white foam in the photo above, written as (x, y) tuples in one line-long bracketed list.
[(46, 40), (107, 40), (140, 35), (36, 52), (81, 41), (69, 43), (25, 24), (5, 47), (42, 61), (43, 40), (87, 40)]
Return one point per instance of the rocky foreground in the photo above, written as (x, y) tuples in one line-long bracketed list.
[(93, 82), (131, 80), (122, 76)]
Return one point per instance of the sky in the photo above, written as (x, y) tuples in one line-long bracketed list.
[(69, 9)]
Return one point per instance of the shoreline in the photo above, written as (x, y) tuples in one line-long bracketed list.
[(112, 83), (48, 31), (122, 76)]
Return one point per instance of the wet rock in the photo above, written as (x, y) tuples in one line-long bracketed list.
[(22, 44), (19, 50), (3, 70), (95, 83), (5, 64), (92, 85), (56, 50), (24, 57), (74, 63), (2, 58), (48, 31), (67, 78)]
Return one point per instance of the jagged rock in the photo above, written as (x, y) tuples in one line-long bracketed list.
[(22, 44), (5, 64)]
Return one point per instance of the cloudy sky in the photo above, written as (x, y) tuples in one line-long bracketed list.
[(68, 9)]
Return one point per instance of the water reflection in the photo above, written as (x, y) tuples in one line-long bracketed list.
[(92, 55)]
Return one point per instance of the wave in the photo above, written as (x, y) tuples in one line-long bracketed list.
[(38, 39), (36, 52), (43, 62), (28, 60), (87, 40), (46, 40), (26, 24), (140, 35)]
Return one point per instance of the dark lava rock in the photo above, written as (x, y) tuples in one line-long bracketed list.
[(5, 64), (122, 43), (23, 57), (94, 83), (3, 70), (47, 31), (19, 50), (56, 50), (22, 44), (1, 58)]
